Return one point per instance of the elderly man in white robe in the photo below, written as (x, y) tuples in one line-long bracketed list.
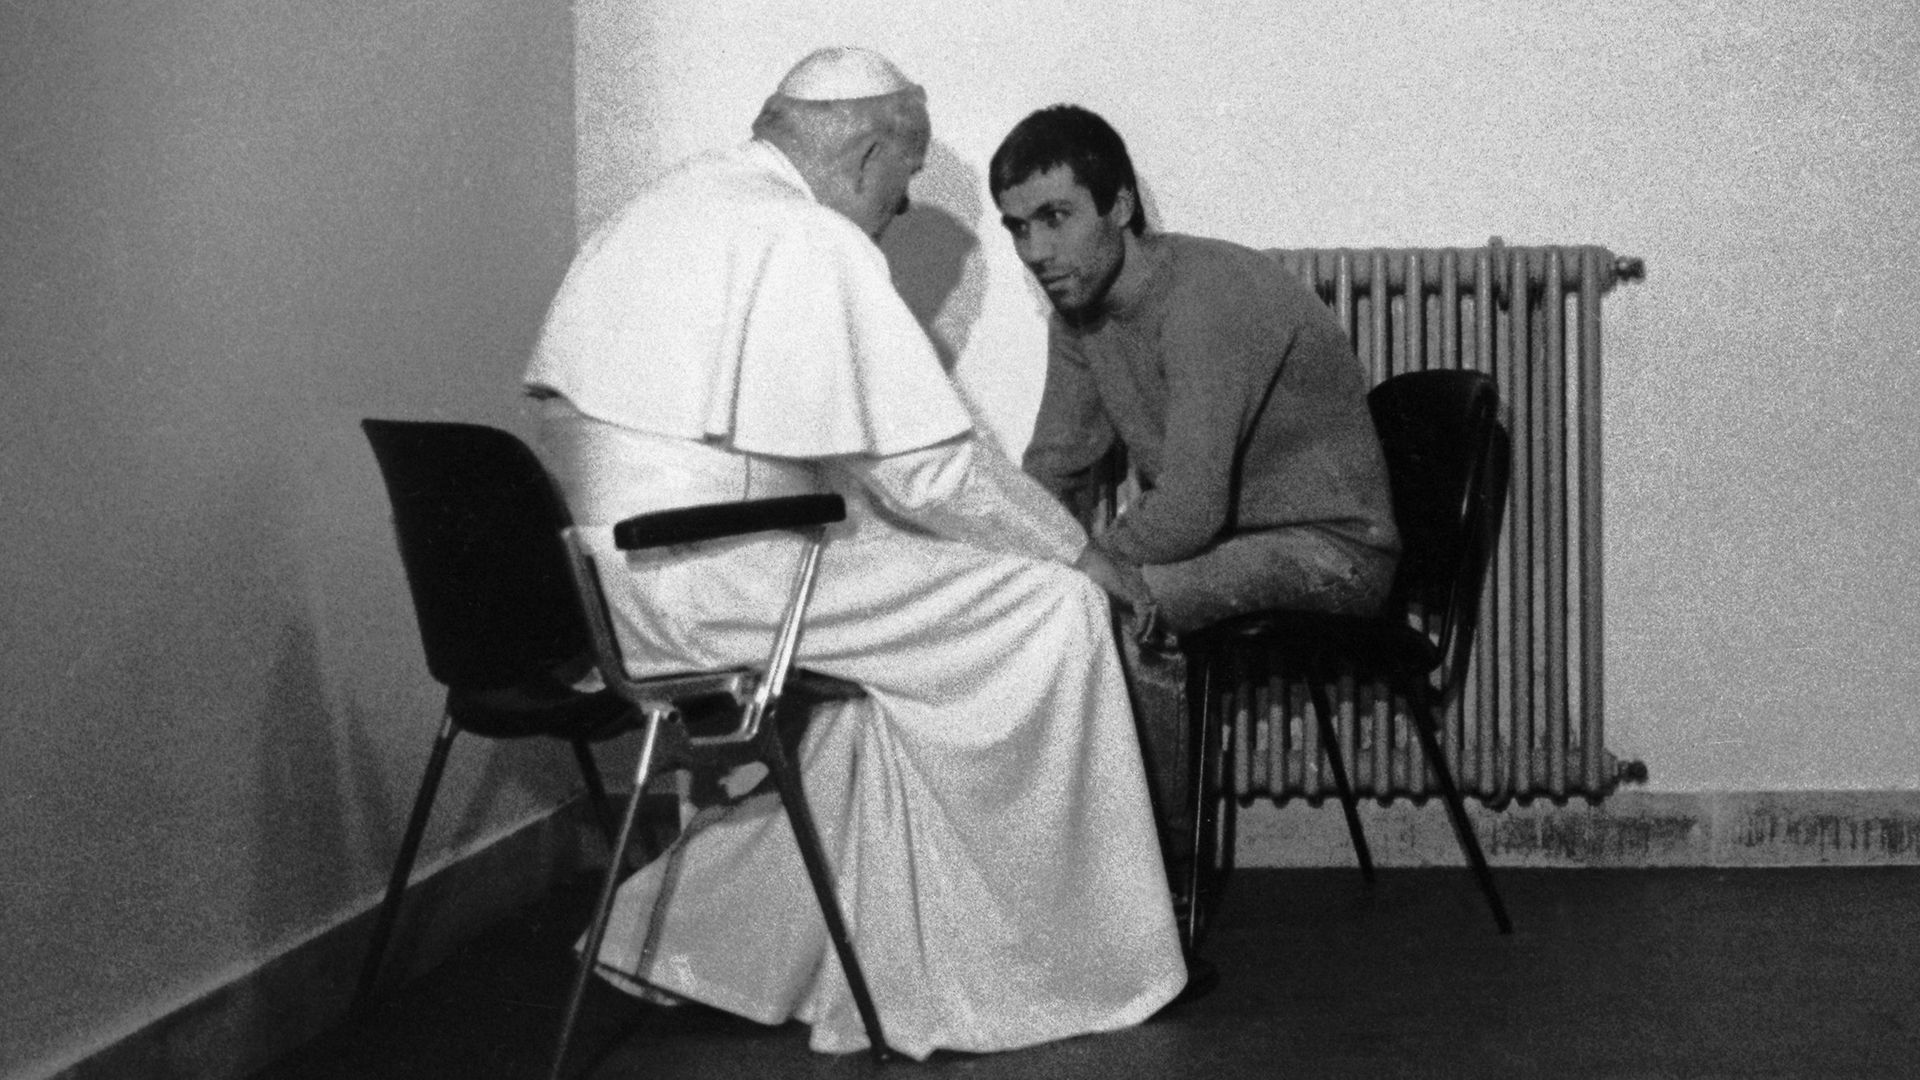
[(733, 333)]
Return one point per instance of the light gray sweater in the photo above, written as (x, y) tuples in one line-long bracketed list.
[(1237, 397)]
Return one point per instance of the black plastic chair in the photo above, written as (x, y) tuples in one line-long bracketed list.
[(711, 721), (478, 524), (1448, 460)]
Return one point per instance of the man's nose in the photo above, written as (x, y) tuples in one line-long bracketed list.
[(1033, 250)]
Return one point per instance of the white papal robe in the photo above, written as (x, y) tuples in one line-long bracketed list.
[(984, 808)]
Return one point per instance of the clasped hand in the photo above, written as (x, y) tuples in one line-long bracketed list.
[(1124, 582)]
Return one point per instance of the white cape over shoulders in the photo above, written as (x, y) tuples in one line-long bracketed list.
[(727, 304)]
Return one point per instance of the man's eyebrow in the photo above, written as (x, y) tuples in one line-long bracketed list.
[(1010, 221)]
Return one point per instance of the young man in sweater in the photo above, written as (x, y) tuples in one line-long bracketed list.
[(1232, 391)]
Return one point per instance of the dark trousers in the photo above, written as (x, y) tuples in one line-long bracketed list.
[(1156, 681)]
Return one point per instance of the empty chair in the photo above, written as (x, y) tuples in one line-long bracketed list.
[(1447, 461), (478, 525)]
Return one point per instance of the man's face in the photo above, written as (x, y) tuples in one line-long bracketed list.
[(1073, 250), (894, 165)]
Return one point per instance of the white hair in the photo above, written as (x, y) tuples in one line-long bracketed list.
[(822, 132), (842, 73)]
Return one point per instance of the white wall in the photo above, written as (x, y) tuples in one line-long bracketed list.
[(1764, 160), (228, 231)]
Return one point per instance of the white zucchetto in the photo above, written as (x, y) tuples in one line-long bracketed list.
[(843, 73)]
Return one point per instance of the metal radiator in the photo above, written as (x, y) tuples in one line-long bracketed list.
[(1530, 720)]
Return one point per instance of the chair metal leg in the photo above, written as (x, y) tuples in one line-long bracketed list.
[(1428, 731), (403, 864), (1349, 805), (786, 778), (1227, 822), (597, 931), (1198, 886)]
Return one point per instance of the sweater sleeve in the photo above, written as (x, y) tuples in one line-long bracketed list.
[(1218, 371), (1071, 434)]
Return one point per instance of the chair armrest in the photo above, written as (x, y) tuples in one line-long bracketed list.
[(692, 524)]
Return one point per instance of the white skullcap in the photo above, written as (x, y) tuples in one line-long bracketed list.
[(843, 73)]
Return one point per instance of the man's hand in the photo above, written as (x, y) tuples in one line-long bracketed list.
[(1122, 580)]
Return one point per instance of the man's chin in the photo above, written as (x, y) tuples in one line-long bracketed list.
[(1069, 307)]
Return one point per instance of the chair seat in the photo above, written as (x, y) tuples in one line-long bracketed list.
[(545, 707), (1322, 645), (708, 702)]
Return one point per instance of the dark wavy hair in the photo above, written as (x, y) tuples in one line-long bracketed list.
[(1077, 138)]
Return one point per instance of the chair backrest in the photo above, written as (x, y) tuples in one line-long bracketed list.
[(478, 522), (1448, 459)]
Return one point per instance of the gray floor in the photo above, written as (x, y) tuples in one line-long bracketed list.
[(1610, 973)]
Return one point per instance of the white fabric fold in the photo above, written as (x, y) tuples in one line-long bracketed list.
[(984, 810), (985, 807)]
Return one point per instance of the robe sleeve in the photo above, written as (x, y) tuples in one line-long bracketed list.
[(1210, 407), (966, 490), (1072, 437)]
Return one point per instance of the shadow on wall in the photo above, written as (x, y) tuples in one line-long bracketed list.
[(935, 253), (308, 846), (305, 861)]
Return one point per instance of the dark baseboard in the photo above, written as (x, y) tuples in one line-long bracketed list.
[(1629, 829), (241, 1027)]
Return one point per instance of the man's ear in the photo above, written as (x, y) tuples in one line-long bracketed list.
[(869, 155), (1124, 200)]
